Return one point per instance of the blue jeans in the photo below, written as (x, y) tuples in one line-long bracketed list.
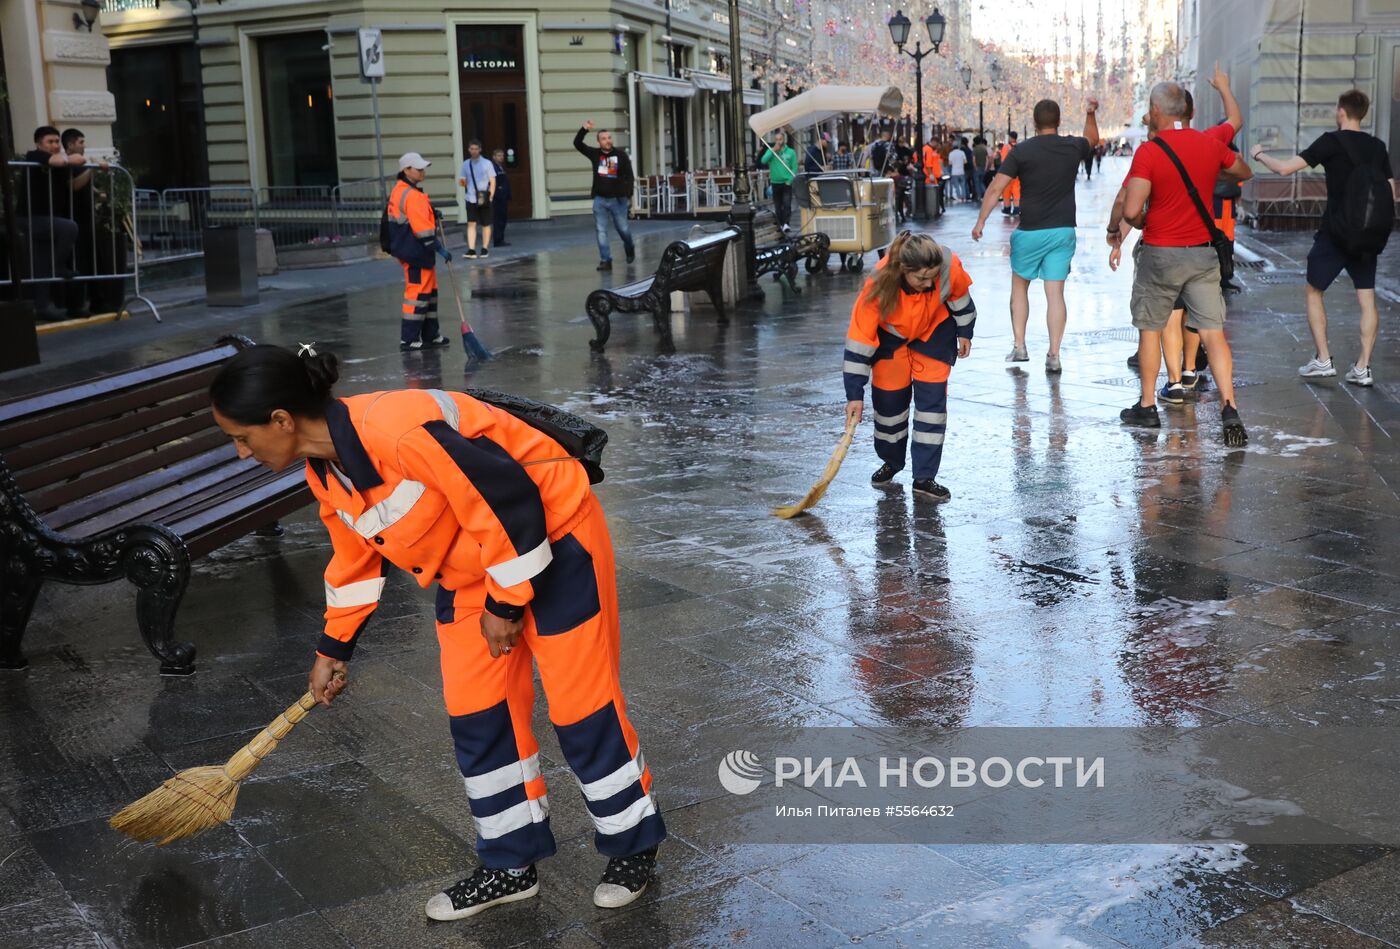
[(614, 210)]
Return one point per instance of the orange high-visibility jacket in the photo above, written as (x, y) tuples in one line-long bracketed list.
[(439, 484), (412, 225), (917, 313), (933, 164), (918, 319)]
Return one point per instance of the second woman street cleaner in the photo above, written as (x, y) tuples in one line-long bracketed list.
[(470, 499), (911, 322)]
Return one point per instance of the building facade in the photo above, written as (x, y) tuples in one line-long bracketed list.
[(269, 93)]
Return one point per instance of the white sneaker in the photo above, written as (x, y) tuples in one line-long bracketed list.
[(1317, 368), (1360, 377), (1018, 354)]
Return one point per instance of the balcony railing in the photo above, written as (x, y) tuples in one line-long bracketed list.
[(121, 6)]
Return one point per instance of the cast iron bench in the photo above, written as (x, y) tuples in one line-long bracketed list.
[(778, 253), (691, 265), (127, 476)]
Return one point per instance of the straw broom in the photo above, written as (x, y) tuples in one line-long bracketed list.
[(198, 799), (819, 489)]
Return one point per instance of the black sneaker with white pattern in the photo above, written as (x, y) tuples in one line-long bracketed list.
[(482, 890), (624, 879)]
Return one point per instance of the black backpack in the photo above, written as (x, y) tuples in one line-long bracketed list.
[(384, 230), (1360, 223)]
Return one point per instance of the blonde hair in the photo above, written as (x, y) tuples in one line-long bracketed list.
[(909, 251)]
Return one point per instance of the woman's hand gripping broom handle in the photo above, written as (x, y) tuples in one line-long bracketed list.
[(247, 758)]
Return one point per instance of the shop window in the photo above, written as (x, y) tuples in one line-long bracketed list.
[(298, 115), (159, 127)]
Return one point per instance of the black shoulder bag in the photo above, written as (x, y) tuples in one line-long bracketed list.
[(581, 440), (1224, 249)]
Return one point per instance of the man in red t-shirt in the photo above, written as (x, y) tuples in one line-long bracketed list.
[(1184, 378), (1175, 258)]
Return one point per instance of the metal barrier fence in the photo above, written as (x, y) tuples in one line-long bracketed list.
[(174, 219), (80, 240)]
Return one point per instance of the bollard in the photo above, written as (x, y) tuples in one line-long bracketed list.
[(230, 266)]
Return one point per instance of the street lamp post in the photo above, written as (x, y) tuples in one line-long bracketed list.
[(741, 213), (899, 25), (995, 70)]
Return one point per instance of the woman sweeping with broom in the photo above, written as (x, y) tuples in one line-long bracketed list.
[(911, 322), (468, 496)]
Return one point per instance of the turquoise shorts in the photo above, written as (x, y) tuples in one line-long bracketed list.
[(1042, 255)]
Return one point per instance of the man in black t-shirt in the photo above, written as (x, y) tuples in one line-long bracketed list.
[(45, 215), (1327, 259)]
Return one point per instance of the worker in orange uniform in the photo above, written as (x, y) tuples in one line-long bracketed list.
[(413, 241), (933, 171), (1227, 193), (911, 322), (1011, 196), (469, 497)]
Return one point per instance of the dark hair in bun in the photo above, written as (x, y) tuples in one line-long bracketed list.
[(261, 379)]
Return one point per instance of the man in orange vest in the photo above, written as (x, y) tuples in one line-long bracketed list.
[(412, 240), (1011, 197)]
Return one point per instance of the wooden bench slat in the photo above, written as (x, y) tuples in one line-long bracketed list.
[(74, 466), (108, 406), (154, 482), (205, 519), (70, 440), (104, 386), (155, 506), (211, 537), (56, 496), (182, 507)]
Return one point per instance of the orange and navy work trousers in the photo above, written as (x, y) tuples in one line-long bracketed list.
[(571, 632), (420, 320), (1011, 196), (899, 376)]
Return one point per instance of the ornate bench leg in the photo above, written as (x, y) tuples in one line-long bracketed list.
[(160, 570), (661, 317), (21, 588), (602, 325)]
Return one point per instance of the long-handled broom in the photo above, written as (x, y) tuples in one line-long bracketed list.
[(832, 466), (198, 799), (473, 347)]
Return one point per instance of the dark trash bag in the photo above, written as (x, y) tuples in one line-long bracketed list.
[(580, 439)]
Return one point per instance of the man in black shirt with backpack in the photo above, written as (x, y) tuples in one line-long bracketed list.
[(1354, 228)]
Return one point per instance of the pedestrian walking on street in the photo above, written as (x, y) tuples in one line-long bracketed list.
[(500, 204), (478, 177), (969, 190), (475, 501), (412, 239), (1181, 345), (781, 161), (1353, 230), (1042, 247), (957, 171), (911, 322), (611, 191), (981, 170), (1175, 257)]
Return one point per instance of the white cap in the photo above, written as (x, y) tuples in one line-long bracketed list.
[(413, 160)]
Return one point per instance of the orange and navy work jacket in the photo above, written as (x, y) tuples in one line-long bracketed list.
[(930, 323), (441, 485), (412, 225)]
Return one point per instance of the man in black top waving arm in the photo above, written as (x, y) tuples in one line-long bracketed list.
[(612, 192), (1353, 229)]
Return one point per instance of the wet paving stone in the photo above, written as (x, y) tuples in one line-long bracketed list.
[(1083, 575)]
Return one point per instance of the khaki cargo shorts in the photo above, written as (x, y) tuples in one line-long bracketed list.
[(1162, 274)]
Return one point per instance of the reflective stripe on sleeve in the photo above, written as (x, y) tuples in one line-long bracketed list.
[(360, 593), (855, 368), (387, 512), (525, 567), (859, 348)]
